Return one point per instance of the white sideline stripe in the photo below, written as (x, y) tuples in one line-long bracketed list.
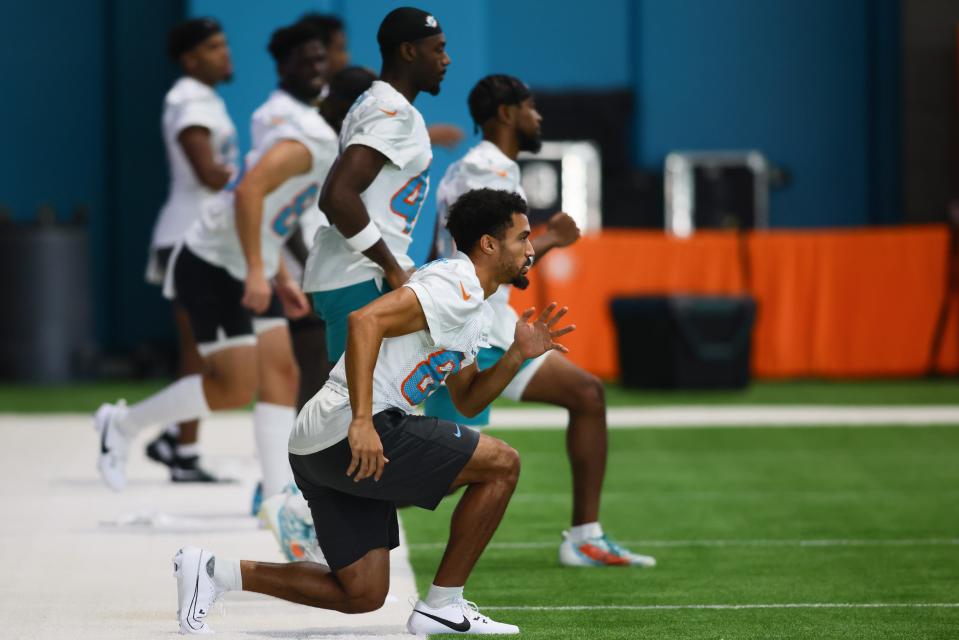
[(121, 543), (785, 605), (654, 417), (918, 542), (739, 416)]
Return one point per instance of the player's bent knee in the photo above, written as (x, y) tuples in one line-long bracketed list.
[(241, 395), (507, 462), (513, 465), (230, 391), (591, 394), (283, 371), (367, 602), (367, 595), (365, 582), (240, 389)]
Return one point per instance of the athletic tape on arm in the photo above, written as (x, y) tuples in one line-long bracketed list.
[(365, 239)]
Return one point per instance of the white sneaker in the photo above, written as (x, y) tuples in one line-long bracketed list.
[(599, 552), (288, 516), (462, 616), (196, 591), (114, 444)]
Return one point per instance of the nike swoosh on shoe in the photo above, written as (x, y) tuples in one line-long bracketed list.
[(104, 449), (455, 626)]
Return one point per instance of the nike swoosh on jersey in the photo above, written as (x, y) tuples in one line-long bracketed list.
[(501, 173), (457, 434), (455, 626), (103, 439), (389, 113), (466, 296)]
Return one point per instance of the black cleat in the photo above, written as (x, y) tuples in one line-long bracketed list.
[(189, 470), (162, 449)]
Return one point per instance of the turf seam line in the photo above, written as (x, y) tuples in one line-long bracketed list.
[(929, 542), (740, 416), (670, 607)]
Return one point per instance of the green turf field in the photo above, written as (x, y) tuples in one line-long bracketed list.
[(816, 519), (88, 396), (734, 517)]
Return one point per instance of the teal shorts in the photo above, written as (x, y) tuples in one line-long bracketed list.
[(440, 404), (335, 306)]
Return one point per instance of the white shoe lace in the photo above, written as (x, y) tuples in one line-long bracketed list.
[(470, 610)]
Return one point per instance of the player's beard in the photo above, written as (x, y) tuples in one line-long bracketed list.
[(532, 143), (520, 281), (437, 80), (304, 90)]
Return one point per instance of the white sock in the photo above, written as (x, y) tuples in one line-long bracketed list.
[(583, 532), (272, 424), (182, 400), (226, 574), (440, 597), (191, 450)]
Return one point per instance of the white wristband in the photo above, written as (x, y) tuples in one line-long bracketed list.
[(365, 239)]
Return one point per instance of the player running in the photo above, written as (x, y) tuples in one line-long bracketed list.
[(230, 278), (502, 106), (201, 149)]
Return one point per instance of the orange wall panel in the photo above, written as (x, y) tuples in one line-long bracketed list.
[(588, 275), (846, 303)]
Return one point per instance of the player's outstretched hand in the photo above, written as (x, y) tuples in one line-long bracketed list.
[(535, 337), (368, 459), (295, 304), (256, 292), (563, 230)]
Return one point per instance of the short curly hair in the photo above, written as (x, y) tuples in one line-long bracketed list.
[(285, 40), (325, 24), (482, 212), (491, 92)]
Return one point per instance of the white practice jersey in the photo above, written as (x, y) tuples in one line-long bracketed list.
[(408, 368), (484, 166), (190, 103), (214, 237), (384, 120)]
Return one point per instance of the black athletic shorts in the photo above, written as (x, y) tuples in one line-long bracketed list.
[(352, 518), (213, 300)]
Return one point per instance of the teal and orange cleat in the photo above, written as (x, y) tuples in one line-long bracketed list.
[(287, 515), (599, 552)]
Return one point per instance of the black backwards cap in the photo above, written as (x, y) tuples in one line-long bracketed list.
[(406, 24), (189, 34), (493, 91)]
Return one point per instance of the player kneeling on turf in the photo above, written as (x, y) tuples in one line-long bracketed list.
[(357, 449)]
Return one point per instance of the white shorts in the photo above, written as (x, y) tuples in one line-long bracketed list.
[(514, 390)]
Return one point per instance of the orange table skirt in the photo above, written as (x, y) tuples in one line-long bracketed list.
[(830, 303)]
